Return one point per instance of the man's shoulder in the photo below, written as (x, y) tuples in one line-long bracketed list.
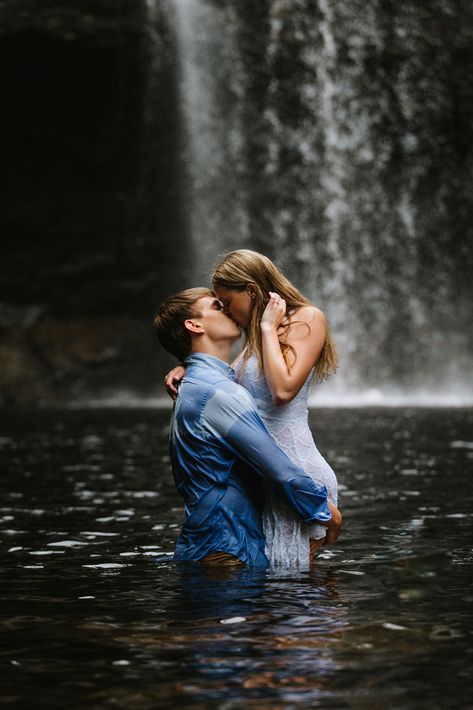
[(217, 384), (217, 402), (205, 382), (227, 403)]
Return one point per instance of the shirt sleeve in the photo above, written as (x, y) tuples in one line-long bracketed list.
[(231, 415)]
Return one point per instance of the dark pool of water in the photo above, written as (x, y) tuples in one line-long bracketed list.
[(92, 617)]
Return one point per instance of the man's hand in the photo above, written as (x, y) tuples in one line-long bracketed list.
[(173, 379), (334, 526)]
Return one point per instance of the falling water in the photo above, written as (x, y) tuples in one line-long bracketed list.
[(206, 42), (307, 138)]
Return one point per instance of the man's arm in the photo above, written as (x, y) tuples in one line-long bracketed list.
[(231, 415)]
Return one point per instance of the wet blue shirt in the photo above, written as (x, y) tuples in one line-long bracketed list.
[(220, 454)]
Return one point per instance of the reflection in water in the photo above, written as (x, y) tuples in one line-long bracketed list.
[(96, 612), (256, 631)]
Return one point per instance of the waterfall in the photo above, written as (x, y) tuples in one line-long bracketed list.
[(209, 102), (317, 133)]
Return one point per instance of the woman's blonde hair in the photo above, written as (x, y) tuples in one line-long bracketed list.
[(243, 266)]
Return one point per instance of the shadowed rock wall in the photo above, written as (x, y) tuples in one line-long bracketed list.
[(91, 219)]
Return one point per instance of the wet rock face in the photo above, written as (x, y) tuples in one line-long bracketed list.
[(139, 141), (58, 361), (90, 210)]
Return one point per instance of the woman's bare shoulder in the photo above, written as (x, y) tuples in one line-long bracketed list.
[(306, 321), (308, 314)]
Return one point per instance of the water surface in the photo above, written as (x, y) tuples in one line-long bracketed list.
[(95, 614)]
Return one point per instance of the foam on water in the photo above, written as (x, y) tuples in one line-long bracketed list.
[(460, 397)]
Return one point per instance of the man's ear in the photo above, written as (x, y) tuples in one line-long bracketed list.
[(193, 325)]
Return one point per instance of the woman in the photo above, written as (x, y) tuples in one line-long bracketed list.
[(287, 342)]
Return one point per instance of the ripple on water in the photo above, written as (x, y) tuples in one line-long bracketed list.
[(107, 565), (379, 599), (67, 543)]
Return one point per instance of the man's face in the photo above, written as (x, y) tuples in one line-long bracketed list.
[(217, 325)]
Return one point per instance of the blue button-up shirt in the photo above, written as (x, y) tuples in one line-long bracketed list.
[(220, 453)]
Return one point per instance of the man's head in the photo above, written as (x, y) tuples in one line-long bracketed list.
[(193, 320)]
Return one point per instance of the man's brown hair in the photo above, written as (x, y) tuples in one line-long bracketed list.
[(171, 316)]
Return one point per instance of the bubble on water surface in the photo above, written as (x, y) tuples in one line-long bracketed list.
[(443, 633)]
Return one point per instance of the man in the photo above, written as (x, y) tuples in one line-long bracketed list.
[(220, 448)]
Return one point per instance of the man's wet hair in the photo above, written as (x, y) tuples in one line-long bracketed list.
[(171, 316)]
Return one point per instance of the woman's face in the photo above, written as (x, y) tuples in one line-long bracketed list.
[(236, 304)]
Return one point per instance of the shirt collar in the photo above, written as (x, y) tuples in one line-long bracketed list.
[(210, 361)]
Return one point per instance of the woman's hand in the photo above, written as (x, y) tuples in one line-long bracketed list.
[(334, 527), (305, 332), (173, 380), (274, 313)]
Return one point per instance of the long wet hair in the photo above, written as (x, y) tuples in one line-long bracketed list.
[(243, 266)]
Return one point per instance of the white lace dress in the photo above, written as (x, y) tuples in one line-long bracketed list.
[(287, 538)]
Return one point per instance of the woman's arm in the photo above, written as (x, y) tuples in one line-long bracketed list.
[(306, 335), (173, 380)]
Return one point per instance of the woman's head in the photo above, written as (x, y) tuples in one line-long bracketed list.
[(243, 279)]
